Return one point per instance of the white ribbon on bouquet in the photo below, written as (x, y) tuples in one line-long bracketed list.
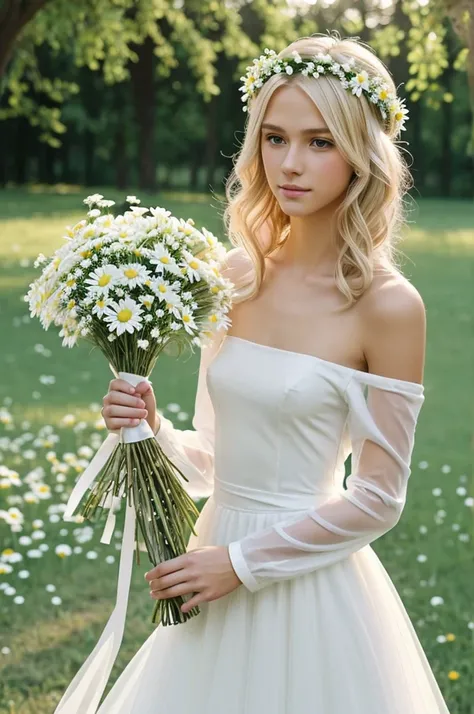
[(85, 691)]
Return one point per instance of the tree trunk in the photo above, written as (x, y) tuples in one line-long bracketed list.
[(194, 168), (46, 164), (211, 142), (121, 162), (143, 87), (461, 14), (14, 16), (89, 155), (416, 121)]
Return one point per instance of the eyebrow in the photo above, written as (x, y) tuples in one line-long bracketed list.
[(320, 130)]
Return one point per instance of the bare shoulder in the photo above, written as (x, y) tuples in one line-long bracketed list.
[(393, 318), (236, 264)]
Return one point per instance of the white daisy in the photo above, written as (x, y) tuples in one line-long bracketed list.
[(103, 278), (192, 266), (360, 82), (133, 274), (147, 300), (163, 290), (100, 305), (188, 320), (163, 260), (124, 316)]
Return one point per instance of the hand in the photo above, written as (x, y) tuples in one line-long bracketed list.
[(206, 571), (125, 405)]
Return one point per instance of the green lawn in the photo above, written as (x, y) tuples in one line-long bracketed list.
[(45, 643)]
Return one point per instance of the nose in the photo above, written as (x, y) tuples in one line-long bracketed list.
[(292, 162)]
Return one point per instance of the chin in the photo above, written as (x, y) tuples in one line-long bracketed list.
[(298, 210)]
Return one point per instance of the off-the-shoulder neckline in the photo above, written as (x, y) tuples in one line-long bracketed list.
[(369, 377)]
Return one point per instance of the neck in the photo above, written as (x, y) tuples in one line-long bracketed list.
[(310, 248)]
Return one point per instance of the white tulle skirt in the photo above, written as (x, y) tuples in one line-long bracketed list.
[(335, 641)]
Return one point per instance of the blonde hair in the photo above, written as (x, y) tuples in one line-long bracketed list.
[(369, 219)]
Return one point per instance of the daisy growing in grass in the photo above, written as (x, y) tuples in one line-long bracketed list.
[(135, 284)]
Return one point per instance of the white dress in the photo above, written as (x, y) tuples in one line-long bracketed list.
[(317, 625)]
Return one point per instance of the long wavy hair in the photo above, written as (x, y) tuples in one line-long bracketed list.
[(371, 215)]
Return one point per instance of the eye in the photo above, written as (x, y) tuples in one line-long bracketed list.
[(274, 136), (325, 141)]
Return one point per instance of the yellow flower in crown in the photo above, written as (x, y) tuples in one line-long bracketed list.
[(356, 80)]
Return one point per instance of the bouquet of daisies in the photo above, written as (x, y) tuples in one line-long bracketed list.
[(134, 284)]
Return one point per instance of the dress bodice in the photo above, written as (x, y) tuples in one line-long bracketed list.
[(280, 419)]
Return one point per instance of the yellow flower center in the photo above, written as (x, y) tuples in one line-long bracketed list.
[(194, 264), (360, 78), (137, 252), (71, 304), (383, 94), (86, 253), (130, 273), (4, 485), (162, 288), (70, 283), (100, 304), (124, 315), (213, 318), (43, 489), (215, 290), (453, 675), (398, 116), (123, 234), (8, 551), (104, 280), (186, 318), (164, 259)]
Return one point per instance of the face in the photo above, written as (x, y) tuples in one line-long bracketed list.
[(298, 151)]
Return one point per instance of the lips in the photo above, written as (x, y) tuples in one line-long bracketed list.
[(291, 191), (291, 187)]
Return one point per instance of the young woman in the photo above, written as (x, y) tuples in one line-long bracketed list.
[(324, 357)]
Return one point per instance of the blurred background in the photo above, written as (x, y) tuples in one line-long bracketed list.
[(141, 97)]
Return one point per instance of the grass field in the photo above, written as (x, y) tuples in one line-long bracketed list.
[(45, 635)]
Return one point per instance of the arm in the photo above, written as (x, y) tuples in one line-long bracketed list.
[(382, 416)]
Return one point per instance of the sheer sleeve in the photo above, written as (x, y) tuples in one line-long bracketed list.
[(382, 418), (192, 450)]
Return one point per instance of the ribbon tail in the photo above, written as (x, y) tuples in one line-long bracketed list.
[(88, 476), (86, 689)]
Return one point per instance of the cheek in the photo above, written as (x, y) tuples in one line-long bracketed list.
[(270, 162), (335, 171)]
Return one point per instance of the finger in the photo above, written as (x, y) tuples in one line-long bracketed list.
[(118, 410), (121, 385), (116, 423), (128, 400), (182, 589), (192, 603), (167, 581), (167, 567), (144, 389)]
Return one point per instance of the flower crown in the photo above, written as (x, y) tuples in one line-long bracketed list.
[(358, 81)]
